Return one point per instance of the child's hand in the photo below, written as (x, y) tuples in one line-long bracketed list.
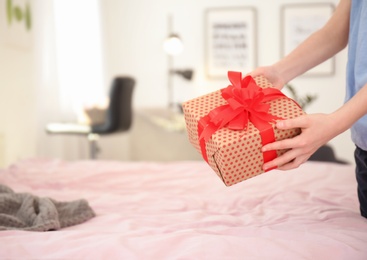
[(317, 129), (271, 74)]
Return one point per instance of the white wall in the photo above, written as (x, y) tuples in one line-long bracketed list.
[(17, 103), (133, 33), (17, 99), (135, 30), (29, 94)]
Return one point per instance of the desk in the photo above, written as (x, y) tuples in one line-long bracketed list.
[(159, 134)]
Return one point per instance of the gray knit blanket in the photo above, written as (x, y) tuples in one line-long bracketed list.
[(25, 211)]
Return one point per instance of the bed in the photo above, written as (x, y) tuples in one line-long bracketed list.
[(182, 210)]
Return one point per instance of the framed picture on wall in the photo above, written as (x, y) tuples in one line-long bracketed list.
[(299, 21), (230, 40)]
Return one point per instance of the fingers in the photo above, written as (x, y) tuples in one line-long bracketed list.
[(279, 161), (261, 71), (257, 72), (294, 163), (301, 147), (284, 144), (270, 73), (298, 122), (298, 141), (287, 161)]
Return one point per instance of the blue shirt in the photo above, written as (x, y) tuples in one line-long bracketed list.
[(357, 65)]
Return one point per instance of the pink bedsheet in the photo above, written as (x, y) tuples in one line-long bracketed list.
[(182, 210)]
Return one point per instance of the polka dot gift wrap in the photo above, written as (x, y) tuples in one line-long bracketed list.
[(235, 154)]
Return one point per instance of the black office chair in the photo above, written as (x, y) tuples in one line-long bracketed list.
[(118, 116)]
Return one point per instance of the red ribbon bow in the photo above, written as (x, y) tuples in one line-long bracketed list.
[(245, 102)]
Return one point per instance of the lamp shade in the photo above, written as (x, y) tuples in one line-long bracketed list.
[(173, 45)]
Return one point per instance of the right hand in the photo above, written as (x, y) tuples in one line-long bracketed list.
[(317, 130), (271, 74)]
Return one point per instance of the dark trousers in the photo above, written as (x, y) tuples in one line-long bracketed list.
[(361, 175)]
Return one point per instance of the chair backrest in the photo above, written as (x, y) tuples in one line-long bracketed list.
[(326, 154), (119, 113)]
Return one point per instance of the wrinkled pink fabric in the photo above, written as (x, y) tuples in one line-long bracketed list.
[(182, 210)]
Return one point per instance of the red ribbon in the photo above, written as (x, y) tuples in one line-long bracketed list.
[(245, 102)]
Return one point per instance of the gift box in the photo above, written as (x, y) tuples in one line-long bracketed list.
[(230, 126)]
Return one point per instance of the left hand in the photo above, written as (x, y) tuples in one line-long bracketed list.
[(317, 129)]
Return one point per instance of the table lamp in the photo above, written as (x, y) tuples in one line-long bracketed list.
[(173, 46)]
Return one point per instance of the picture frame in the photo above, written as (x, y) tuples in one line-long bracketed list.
[(298, 21), (230, 40)]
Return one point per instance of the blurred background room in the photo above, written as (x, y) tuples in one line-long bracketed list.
[(58, 60)]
